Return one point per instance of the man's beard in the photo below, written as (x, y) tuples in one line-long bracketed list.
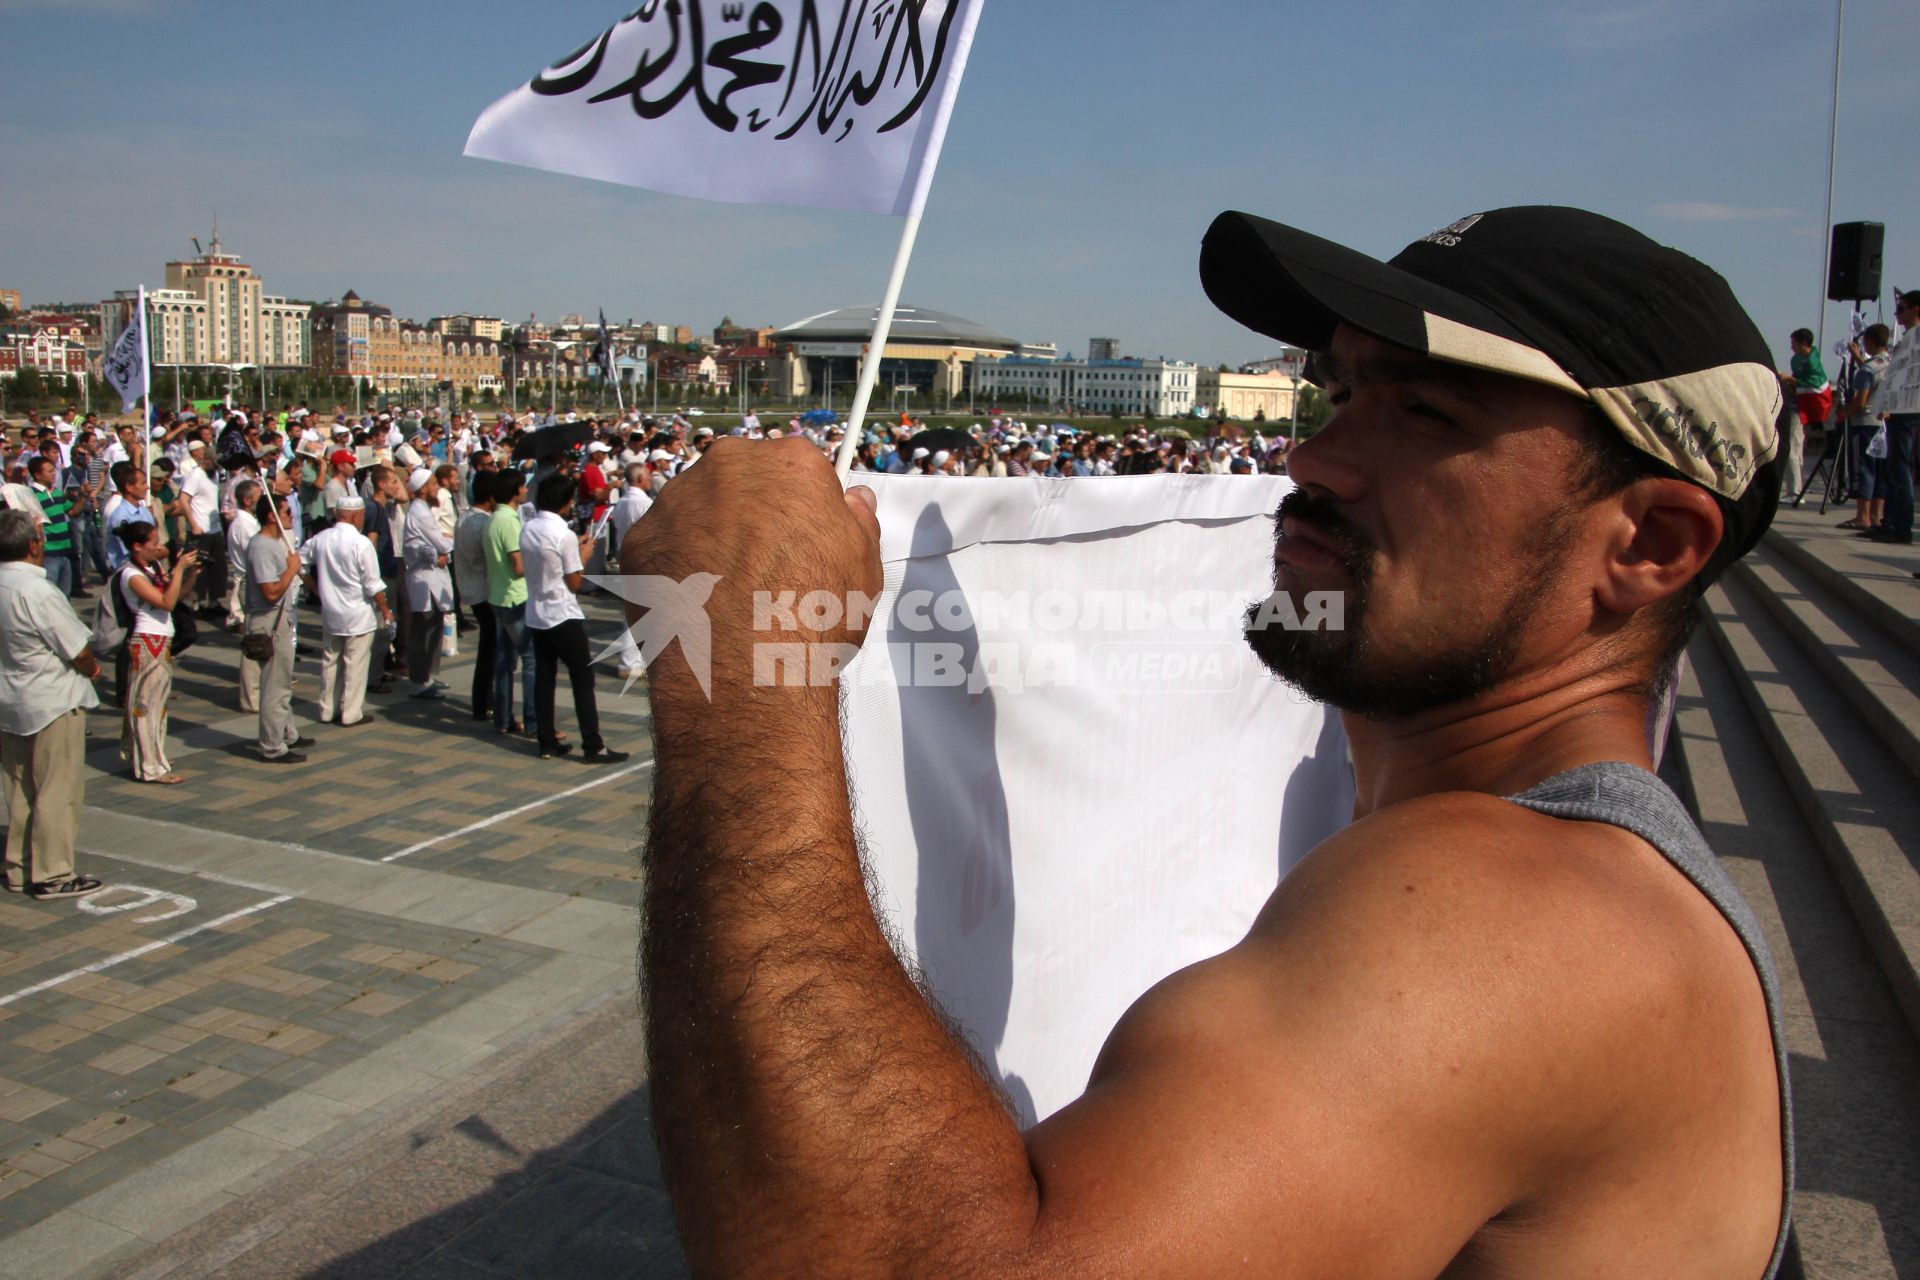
[(1344, 669)]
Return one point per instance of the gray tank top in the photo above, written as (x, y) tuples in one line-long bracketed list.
[(1629, 797)]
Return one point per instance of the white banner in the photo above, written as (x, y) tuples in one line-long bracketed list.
[(839, 104), (1072, 775), (1898, 390), (126, 367)]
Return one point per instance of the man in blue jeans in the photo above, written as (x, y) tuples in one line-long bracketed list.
[(1897, 524), (507, 595)]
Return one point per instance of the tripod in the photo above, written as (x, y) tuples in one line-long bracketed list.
[(1835, 454), (1838, 461)]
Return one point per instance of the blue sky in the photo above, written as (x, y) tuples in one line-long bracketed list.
[(1092, 144)]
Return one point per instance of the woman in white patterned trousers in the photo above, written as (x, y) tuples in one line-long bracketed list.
[(150, 594)]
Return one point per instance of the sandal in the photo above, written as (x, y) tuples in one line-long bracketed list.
[(170, 780), (1852, 524)]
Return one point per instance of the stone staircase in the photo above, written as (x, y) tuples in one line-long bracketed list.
[(1797, 744)]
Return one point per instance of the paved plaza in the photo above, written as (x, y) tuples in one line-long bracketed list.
[(309, 968)]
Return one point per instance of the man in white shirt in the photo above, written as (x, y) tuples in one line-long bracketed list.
[(634, 503), (551, 558), (346, 573), (426, 551), (240, 531), (202, 497), (47, 668)]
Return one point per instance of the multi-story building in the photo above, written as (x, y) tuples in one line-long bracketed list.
[(343, 336), (1103, 348), (1157, 388), (1291, 361), (10, 300), (928, 353), (1246, 396), (729, 334), (466, 326), (215, 310), (360, 339), (49, 349)]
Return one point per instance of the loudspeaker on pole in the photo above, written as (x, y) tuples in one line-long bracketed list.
[(1854, 271)]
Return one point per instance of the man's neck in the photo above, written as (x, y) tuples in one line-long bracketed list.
[(1501, 743)]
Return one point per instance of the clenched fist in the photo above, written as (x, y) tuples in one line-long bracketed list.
[(770, 521)]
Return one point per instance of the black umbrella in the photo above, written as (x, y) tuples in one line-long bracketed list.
[(934, 439), (537, 446)]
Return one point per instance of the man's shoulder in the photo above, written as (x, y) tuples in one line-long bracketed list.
[(1468, 868), (1467, 905)]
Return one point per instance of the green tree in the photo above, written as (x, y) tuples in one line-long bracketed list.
[(29, 387)]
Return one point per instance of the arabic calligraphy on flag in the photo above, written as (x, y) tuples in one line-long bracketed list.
[(125, 366), (839, 104)]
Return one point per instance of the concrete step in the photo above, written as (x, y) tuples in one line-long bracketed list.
[(1874, 579), (1857, 796), (1855, 1064), (1877, 671)]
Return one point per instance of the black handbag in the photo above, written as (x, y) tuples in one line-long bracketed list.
[(258, 645), (186, 628)]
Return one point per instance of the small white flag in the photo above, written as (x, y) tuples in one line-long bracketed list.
[(125, 368), (838, 104)]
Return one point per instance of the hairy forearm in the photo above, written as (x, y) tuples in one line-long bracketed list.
[(814, 1114)]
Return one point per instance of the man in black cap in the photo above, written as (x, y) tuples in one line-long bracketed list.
[(1514, 1020)]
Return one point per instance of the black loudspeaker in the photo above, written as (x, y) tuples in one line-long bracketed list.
[(1854, 273)]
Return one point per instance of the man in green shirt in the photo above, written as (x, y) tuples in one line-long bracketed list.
[(1813, 395), (507, 595), (55, 527)]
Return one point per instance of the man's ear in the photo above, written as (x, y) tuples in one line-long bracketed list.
[(1664, 532)]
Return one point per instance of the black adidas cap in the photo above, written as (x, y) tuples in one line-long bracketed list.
[(1654, 339)]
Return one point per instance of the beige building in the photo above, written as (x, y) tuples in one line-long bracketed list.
[(10, 299), (1245, 397), (492, 328), (931, 355), (215, 310), (360, 339)]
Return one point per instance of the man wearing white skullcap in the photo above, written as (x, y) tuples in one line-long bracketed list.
[(427, 551), (346, 573)]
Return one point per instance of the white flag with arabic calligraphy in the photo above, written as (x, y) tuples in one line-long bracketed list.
[(125, 367), (837, 104)]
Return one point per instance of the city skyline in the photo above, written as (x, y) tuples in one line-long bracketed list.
[(1070, 203)]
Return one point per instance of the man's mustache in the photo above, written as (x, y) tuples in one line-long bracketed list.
[(1324, 516)]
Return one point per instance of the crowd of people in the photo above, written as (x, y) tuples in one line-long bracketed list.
[(399, 530), (1878, 445)]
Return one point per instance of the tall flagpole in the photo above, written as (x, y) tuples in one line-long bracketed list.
[(146, 392), (1833, 147), (882, 330)]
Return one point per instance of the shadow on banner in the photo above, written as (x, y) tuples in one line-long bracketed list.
[(953, 784)]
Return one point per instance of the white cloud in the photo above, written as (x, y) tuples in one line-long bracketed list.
[(1712, 211)]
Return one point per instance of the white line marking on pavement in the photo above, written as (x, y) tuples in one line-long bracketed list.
[(152, 864), (137, 952), (472, 827), (142, 897)]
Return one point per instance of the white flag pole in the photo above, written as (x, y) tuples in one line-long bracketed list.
[(882, 330), (146, 392)]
